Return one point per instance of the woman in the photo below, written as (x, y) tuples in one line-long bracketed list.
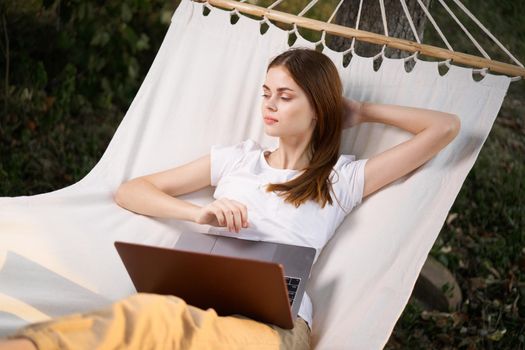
[(289, 191)]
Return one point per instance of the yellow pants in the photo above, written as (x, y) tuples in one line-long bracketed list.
[(151, 321)]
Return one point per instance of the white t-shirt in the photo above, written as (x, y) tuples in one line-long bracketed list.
[(240, 172)]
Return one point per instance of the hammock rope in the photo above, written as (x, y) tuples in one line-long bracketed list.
[(487, 32), (483, 70), (434, 23), (405, 10), (474, 41), (383, 15)]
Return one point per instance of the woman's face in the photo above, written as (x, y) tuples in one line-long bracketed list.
[(286, 102)]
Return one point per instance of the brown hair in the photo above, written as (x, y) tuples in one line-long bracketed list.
[(316, 74)]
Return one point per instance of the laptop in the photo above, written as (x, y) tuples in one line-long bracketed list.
[(262, 280)]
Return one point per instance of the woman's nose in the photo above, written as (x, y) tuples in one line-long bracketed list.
[(269, 104)]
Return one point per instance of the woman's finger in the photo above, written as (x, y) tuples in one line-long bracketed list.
[(218, 210), (244, 212), (237, 215), (228, 214)]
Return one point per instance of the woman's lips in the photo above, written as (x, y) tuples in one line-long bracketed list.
[(269, 121)]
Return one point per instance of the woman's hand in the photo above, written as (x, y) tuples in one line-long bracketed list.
[(224, 212), (351, 112)]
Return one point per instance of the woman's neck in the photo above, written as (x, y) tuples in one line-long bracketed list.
[(293, 159)]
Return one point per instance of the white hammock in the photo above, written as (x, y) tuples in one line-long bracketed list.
[(56, 248)]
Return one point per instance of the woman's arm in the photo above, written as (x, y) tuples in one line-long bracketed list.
[(154, 194), (410, 119), (351, 112), (142, 197), (433, 131)]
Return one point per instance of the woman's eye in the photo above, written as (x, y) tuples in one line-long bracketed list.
[(284, 98)]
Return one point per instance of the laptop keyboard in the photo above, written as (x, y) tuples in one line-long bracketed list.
[(292, 284)]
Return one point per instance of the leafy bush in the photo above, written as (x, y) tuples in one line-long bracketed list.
[(72, 69)]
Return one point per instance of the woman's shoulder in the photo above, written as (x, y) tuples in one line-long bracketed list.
[(349, 166), (344, 160), (250, 144), (226, 157), (350, 170), (243, 146), (234, 152), (246, 147)]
